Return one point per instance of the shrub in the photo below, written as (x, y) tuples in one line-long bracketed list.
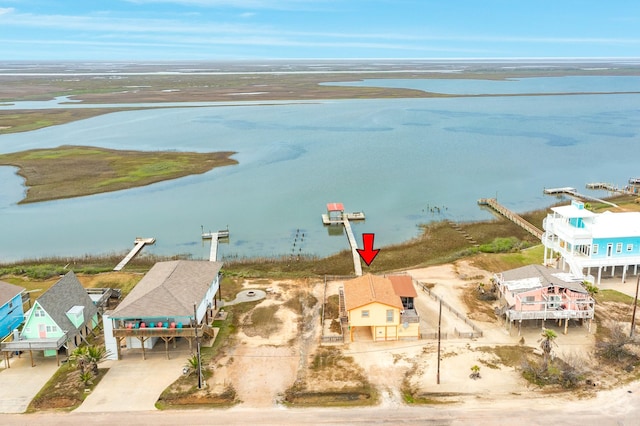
[(618, 346), (503, 245)]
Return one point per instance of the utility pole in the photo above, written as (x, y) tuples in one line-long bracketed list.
[(635, 304), (195, 325), (439, 323)]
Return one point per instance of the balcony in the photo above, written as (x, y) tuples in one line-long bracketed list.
[(409, 316), (162, 331)]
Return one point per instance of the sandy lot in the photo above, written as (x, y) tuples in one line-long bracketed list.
[(262, 369)]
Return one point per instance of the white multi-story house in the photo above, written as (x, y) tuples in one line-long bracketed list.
[(585, 240)]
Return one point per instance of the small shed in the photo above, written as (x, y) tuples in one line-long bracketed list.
[(335, 211)]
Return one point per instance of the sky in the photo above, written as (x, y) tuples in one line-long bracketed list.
[(112, 30)]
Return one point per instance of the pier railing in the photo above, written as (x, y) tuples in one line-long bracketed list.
[(515, 218)]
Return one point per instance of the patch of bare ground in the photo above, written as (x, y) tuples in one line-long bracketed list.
[(274, 356), (65, 391), (271, 342), (332, 379)]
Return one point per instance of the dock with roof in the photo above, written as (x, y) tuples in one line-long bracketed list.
[(336, 216)]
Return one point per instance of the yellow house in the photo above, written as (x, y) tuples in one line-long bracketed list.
[(372, 302)]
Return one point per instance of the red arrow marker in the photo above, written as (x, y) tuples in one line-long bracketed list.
[(368, 253)]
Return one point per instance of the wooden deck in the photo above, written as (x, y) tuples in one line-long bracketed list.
[(139, 244), (336, 221), (515, 218)]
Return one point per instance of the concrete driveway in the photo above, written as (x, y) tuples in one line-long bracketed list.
[(134, 384), (20, 383)]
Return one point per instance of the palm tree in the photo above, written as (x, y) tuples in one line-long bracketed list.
[(192, 363), (546, 344), (79, 357), (87, 358), (95, 355), (475, 372)]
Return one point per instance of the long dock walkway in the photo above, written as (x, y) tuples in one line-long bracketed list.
[(139, 244), (354, 247), (574, 193), (515, 218)]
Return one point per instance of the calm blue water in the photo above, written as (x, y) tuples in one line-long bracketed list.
[(393, 159)]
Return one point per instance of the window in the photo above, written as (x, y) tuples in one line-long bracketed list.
[(39, 312), (619, 248), (365, 314), (529, 298), (629, 247), (389, 315), (554, 301), (595, 249), (51, 328), (10, 304)]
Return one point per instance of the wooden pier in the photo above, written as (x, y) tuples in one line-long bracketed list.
[(574, 193), (336, 216), (215, 238), (357, 266), (515, 218), (139, 244)]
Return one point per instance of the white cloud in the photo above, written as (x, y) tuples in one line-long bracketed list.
[(6, 10)]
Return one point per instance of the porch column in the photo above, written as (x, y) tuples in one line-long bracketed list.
[(118, 350), (599, 273), (141, 338), (566, 325), (624, 272)]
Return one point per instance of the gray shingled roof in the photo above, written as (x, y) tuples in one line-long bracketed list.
[(169, 289), (8, 292), (64, 295), (548, 276)]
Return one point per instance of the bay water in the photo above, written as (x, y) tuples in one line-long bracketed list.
[(403, 162)]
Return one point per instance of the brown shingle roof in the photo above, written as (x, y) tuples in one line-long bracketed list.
[(66, 293), (8, 292), (403, 285), (169, 289), (367, 289)]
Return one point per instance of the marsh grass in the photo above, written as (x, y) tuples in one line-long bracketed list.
[(73, 171)]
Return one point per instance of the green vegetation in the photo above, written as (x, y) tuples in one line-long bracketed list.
[(87, 358), (503, 245), (65, 390), (74, 171), (14, 121)]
